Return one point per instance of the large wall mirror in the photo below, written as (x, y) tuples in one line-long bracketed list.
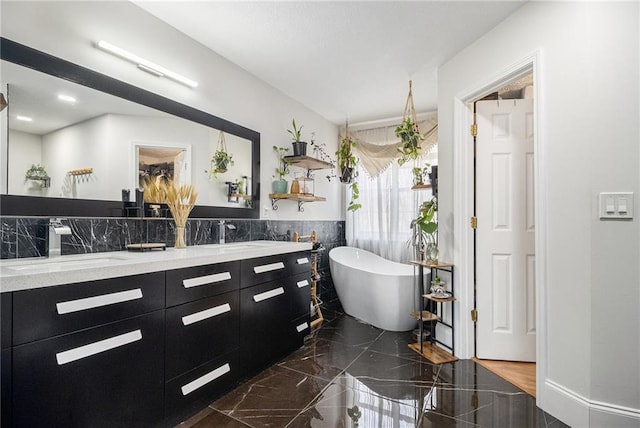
[(97, 138)]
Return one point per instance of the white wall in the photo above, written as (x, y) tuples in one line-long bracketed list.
[(69, 30), (588, 142), (29, 152)]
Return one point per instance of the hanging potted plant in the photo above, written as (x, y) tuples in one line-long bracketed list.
[(299, 147), (221, 159), (408, 132), (280, 185), (38, 173), (347, 162)]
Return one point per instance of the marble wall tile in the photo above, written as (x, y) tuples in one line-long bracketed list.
[(8, 239), (31, 237)]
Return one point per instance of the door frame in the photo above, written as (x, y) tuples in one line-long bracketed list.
[(463, 205)]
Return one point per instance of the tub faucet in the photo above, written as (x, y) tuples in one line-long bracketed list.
[(56, 229), (222, 226)]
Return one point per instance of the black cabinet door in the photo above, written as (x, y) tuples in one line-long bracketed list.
[(265, 325), (107, 376), (5, 388), (5, 363), (299, 263), (189, 284), (199, 331), (50, 311)]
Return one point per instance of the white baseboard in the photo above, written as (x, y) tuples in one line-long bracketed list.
[(580, 412)]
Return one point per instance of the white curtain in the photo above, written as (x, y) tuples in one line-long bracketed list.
[(382, 225)]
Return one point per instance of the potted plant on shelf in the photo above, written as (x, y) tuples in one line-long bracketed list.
[(419, 174), (299, 147), (425, 227), (280, 185), (39, 173)]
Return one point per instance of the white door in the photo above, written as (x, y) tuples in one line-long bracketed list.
[(505, 243)]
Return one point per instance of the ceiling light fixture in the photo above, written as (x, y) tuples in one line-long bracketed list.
[(66, 98), (145, 65), (24, 118)]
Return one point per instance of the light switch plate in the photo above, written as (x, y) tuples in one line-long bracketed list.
[(622, 205)]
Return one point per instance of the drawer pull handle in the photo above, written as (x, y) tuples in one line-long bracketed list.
[(207, 279), (268, 268), (302, 283), (207, 313), (302, 327), (268, 294), (98, 301), (302, 261), (203, 380), (98, 347)]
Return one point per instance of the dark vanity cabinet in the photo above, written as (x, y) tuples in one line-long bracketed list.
[(202, 335), (89, 354), (147, 350), (273, 321), (5, 362)]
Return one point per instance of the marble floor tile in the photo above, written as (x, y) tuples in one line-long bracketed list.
[(272, 398), (350, 374)]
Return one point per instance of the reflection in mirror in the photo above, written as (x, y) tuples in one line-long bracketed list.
[(72, 128), (93, 145)]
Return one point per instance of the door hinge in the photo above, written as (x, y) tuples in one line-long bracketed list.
[(474, 222), (474, 315), (474, 130)]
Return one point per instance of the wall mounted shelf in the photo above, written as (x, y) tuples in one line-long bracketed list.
[(307, 162), (421, 186), (300, 198)]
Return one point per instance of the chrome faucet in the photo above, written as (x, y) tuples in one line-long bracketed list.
[(222, 226), (56, 229)]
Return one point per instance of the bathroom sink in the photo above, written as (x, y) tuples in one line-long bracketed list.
[(54, 265)]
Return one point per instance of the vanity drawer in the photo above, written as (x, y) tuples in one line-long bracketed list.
[(51, 311), (5, 320), (301, 327), (199, 387), (263, 269), (199, 331), (299, 290), (187, 285), (106, 376), (299, 263)]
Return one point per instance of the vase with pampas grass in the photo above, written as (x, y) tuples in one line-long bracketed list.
[(180, 200)]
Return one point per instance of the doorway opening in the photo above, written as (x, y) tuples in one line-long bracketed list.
[(504, 232)]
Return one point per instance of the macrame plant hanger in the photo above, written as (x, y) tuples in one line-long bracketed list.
[(410, 136), (222, 147)]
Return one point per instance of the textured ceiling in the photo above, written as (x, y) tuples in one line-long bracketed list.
[(341, 59)]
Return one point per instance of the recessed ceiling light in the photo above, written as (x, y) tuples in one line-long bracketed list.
[(24, 118), (66, 98)]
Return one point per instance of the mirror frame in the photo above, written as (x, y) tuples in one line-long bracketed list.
[(15, 205)]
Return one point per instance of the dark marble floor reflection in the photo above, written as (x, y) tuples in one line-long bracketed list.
[(350, 374)]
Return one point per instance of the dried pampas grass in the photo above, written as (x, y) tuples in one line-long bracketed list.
[(179, 199)]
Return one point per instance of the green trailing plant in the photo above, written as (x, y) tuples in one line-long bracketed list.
[(347, 163), (283, 167), (410, 139), (295, 131), (220, 162), (425, 227)]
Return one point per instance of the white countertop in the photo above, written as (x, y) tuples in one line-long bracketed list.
[(25, 274)]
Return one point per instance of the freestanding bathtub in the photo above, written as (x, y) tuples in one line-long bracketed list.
[(373, 289)]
